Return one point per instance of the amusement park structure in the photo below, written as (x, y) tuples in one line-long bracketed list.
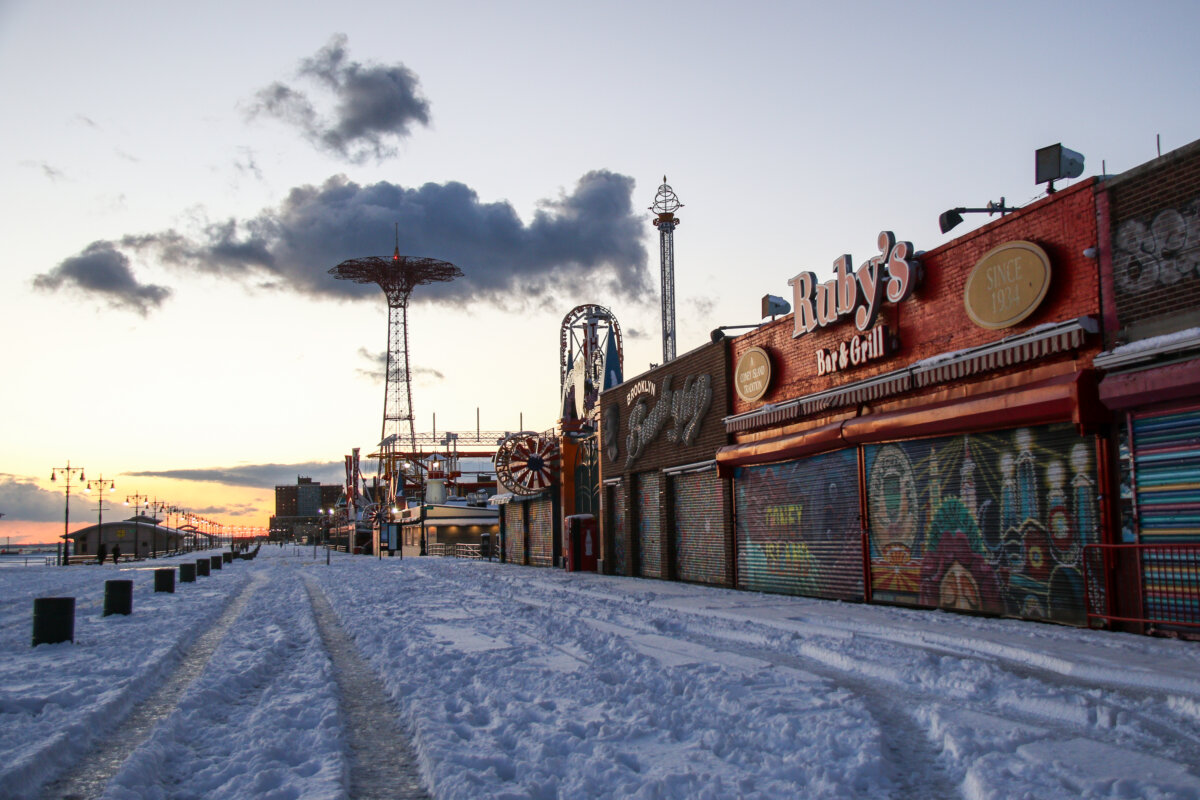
[(665, 206), (397, 277), (590, 360)]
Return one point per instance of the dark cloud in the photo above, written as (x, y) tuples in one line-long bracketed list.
[(255, 475), (588, 238), (375, 105), (236, 510), (102, 271), (22, 499)]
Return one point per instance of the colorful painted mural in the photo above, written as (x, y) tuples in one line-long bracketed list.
[(993, 522), (798, 527)]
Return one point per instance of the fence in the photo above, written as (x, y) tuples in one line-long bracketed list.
[(1167, 578)]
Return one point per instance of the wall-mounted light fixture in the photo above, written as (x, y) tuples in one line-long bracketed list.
[(951, 218)]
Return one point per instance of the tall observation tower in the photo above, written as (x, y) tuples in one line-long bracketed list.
[(397, 276), (665, 206)]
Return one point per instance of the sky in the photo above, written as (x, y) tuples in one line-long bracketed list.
[(179, 180), (284, 677)]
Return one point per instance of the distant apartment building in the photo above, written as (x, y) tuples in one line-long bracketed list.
[(297, 507)]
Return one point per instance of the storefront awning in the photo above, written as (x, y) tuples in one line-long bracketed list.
[(1159, 384), (1028, 346), (1069, 397)]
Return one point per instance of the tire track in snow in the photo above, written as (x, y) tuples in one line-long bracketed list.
[(871, 668), (96, 767), (382, 762)]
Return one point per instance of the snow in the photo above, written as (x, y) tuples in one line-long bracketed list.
[(517, 682), (1166, 341)]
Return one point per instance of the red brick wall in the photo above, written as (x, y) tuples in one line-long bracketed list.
[(934, 320)]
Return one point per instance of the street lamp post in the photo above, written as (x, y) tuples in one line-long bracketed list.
[(155, 506), (138, 500), (68, 471), (100, 484)]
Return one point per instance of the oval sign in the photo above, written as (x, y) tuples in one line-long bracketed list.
[(752, 374), (1007, 285)]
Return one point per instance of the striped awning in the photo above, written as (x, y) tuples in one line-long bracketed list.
[(1030, 345), (1042, 341)]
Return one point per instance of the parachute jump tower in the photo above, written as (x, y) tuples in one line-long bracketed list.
[(397, 277), (665, 206)]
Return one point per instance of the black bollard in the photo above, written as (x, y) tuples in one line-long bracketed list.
[(118, 597), (227, 558), (216, 562), (164, 580), (202, 567), (187, 573), (53, 620)]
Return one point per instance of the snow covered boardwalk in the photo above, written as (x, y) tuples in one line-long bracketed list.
[(518, 682)]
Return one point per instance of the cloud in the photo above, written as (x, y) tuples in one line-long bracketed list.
[(377, 371), (22, 499), (236, 510), (50, 172), (102, 271), (375, 105), (428, 372), (702, 307), (590, 237), (254, 475), (378, 364)]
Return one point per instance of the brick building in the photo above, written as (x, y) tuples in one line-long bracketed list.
[(297, 507), (1150, 255), (665, 511)]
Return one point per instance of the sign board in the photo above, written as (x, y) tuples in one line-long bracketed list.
[(1007, 285), (752, 375)]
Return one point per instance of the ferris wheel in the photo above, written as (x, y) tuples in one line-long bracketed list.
[(526, 462), (590, 356)]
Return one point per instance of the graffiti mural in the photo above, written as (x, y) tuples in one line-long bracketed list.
[(992, 523), (798, 527), (1161, 253)]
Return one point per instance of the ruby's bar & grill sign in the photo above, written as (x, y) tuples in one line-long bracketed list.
[(892, 275)]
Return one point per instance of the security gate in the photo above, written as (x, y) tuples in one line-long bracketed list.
[(699, 506), (797, 527)]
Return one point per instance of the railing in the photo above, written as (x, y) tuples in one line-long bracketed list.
[(467, 551), (436, 549), (1166, 575)]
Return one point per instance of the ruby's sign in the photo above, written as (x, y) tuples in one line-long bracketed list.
[(891, 275)]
